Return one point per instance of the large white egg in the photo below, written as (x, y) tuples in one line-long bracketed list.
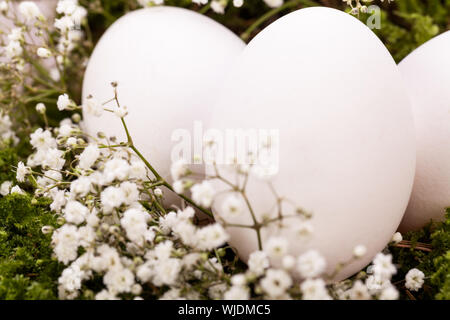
[(169, 64), (426, 73), (346, 136)]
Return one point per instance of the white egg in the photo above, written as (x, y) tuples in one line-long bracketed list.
[(330, 88), (169, 64), (426, 73)]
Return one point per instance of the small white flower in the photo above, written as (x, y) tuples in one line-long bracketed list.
[(218, 6), (167, 271), (274, 3), (30, 10), (130, 191), (375, 284), (237, 293), (397, 238), (119, 280), (232, 207), (88, 157), (116, 169), (276, 247), (179, 169), (81, 186), (22, 172), (359, 251), (71, 278), (311, 264), (158, 192), (41, 108), (121, 112), (359, 291), (64, 24), (238, 3), (200, 2), (149, 3), (44, 53), (4, 6), (5, 188), (258, 262), (134, 222), (137, 170), (66, 7), (383, 267), (314, 290), (64, 102), (75, 212), (93, 107), (390, 293), (59, 200), (203, 193), (66, 242), (16, 34), (238, 280), (178, 186), (414, 279), (212, 236), (17, 190), (276, 282), (42, 140), (112, 197), (13, 49)]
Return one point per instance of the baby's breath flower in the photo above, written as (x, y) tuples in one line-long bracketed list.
[(311, 264), (64, 24), (64, 102), (276, 247), (40, 107), (4, 7), (274, 3), (390, 293), (314, 290), (232, 207), (414, 279), (44, 53), (258, 262), (5, 188), (359, 251), (218, 6), (92, 106), (22, 172), (397, 238), (276, 282), (30, 10), (203, 193)]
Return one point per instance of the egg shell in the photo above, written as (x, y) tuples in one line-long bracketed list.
[(346, 136), (169, 64), (426, 73)]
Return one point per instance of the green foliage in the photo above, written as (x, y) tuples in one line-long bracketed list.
[(407, 24), (8, 159), (435, 263), (27, 270)]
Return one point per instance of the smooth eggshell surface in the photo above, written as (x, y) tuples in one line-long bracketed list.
[(346, 135), (169, 64), (426, 73)]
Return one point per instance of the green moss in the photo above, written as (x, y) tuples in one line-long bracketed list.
[(27, 269), (8, 159), (435, 263)]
